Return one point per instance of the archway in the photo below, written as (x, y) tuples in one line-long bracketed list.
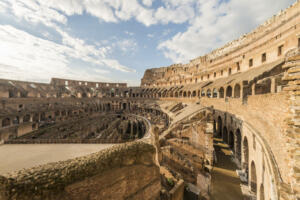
[(5, 122), (261, 192), (253, 183), (215, 93), (26, 118), (231, 140), (221, 92), (237, 91), (189, 93), (246, 156), (229, 91), (238, 144), (176, 94), (202, 93), (219, 127), (225, 135), (124, 106), (184, 94), (194, 93), (208, 93)]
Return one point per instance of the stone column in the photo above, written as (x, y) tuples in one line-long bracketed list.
[(253, 89), (273, 85)]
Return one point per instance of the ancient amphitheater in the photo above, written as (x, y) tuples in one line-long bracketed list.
[(225, 126)]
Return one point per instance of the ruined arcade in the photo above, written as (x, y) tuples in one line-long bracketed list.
[(225, 125)]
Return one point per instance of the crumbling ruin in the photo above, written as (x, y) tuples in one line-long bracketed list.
[(224, 126)]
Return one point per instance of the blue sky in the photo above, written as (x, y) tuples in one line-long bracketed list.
[(116, 40)]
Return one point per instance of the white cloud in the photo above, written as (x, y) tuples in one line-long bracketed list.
[(216, 24), (31, 57), (148, 2)]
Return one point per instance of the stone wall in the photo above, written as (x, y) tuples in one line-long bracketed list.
[(126, 171)]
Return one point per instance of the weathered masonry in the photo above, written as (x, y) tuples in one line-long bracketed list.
[(227, 121)]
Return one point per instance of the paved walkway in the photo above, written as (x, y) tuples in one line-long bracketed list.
[(225, 182), (18, 156)]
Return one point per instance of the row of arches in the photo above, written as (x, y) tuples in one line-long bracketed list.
[(239, 144), (221, 92)]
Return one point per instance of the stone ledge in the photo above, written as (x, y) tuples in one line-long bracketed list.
[(51, 179)]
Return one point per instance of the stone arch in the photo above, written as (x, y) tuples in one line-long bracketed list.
[(246, 155), (208, 93), (202, 93), (83, 95), (238, 144), (16, 120), (221, 92), (6, 122), (26, 118), (180, 93), (253, 178), (35, 117), (43, 117), (219, 127), (176, 94), (231, 140), (237, 91), (261, 192), (215, 93), (225, 135), (184, 94), (229, 91), (194, 93)]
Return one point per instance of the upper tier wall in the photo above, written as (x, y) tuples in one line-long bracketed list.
[(268, 43)]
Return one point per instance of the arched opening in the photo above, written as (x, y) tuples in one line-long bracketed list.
[(238, 144), (215, 127), (194, 93), (261, 192), (225, 135), (180, 94), (237, 91), (231, 140), (176, 94), (219, 127), (202, 93), (246, 156), (189, 93), (16, 120), (26, 118), (215, 93), (184, 94), (229, 91), (221, 92), (108, 107), (253, 184), (43, 117), (5, 122), (35, 118), (84, 95), (208, 93)]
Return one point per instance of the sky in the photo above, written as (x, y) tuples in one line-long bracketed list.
[(117, 40)]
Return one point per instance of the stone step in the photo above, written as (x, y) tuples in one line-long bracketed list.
[(291, 64), (291, 77), (294, 69)]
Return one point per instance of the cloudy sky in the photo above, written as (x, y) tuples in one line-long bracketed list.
[(116, 40)]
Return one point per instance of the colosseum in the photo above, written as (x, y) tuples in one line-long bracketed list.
[(225, 126)]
